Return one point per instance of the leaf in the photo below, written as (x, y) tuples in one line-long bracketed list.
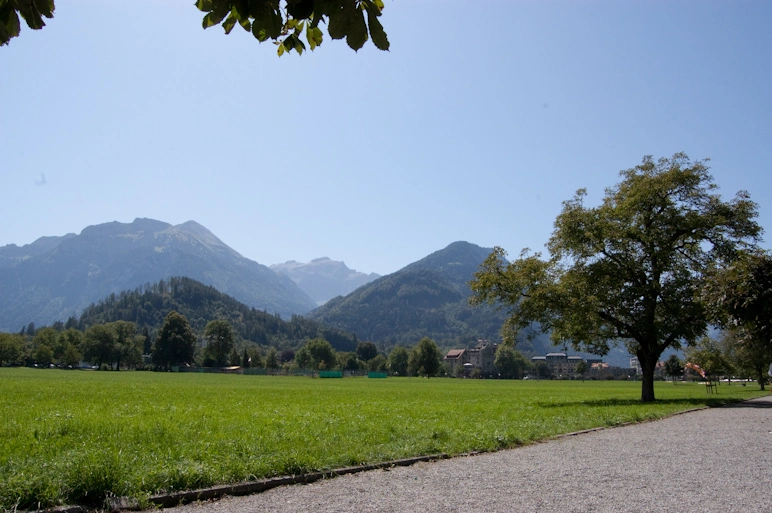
[(338, 25), (314, 36), (204, 5), (376, 30), (9, 27), (45, 7), (267, 24), (212, 19), (357, 30), (229, 23), (31, 15)]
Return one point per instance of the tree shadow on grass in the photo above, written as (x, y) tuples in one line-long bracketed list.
[(686, 403)]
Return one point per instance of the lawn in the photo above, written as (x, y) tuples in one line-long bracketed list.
[(76, 437)]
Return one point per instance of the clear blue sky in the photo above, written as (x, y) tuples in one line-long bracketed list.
[(483, 117)]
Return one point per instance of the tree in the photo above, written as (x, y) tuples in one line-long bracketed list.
[(398, 361), (378, 364), (219, 342), (366, 351), (11, 348), (271, 359), (581, 369), (286, 22), (321, 353), (629, 270), (128, 346), (746, 359), (510, 363), (673, 367), (708, 354), (99, 345), (175, 343), (69, 344), (424, 359), (739, 299)]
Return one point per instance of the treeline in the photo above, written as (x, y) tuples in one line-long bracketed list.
[(120, 345), (148, 306)]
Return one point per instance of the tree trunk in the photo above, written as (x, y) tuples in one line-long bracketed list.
[(647, 383)]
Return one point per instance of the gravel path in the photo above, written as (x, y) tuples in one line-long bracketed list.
[(704, 461)]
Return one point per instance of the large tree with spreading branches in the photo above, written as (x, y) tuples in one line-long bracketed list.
[(628, 271)]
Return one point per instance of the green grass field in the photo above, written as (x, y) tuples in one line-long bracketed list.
[(77, 437)]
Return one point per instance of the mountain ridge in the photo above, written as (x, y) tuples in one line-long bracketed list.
[(53, 279)]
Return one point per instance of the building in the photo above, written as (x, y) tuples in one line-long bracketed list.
[(479, 357), (561, 365), (456, 358)]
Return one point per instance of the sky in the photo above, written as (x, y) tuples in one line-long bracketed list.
[(479, 122)]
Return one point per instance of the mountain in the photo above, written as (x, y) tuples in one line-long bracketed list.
[(57, 277), (426, 298), (323, 279), (430, 298), (147, 306)]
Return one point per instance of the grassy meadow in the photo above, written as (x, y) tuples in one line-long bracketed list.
[(78, 437)]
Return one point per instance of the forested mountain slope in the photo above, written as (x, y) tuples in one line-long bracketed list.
[(147, 306)]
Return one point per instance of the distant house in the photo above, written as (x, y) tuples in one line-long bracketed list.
[(455, 359), (479, 357)]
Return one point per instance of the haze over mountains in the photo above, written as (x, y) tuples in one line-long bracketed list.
[(56, 277), (324, 279)]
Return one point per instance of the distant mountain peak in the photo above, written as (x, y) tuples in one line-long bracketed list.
[(56, 277), (324, 278)]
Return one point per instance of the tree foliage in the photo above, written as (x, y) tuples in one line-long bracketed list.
[(320, 355), (424, 359), (739, 299), (175, 343), (12, 347), (285, 22), (674, 367), (31, 11), (628, 270), (510, 363), (398, 361), (219, 342), (366, 351)]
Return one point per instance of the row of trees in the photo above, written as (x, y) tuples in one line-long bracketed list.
[(113, 344)]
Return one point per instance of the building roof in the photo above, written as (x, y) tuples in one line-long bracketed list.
[(454, 354)]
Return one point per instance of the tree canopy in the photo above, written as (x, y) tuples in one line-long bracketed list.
[(424, 359), (285, 22), (629, 270), (175, 343), (739, 299), (220, 339)]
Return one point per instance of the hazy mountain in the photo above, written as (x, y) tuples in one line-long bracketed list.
[(323, 279), (56, 277), (147, 307), (12, 254)]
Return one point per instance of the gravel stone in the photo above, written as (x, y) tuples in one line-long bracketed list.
[(712, 460)]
